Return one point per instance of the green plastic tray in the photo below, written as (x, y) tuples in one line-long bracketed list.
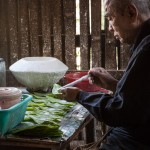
[(11, 117)]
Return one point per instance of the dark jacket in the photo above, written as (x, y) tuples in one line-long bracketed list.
[(128, 111)]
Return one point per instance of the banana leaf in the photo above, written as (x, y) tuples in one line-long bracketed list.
[(43, 116), (29, 129)]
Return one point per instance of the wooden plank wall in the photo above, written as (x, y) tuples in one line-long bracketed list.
[(48, 28)]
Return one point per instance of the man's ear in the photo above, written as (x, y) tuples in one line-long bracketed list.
[(131, 12)]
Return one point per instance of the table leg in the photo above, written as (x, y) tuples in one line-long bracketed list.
[(90, 131)]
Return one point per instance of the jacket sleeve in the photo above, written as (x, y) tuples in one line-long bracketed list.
[(130, 105)]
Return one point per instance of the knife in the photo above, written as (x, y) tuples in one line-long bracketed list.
[(74, 82)]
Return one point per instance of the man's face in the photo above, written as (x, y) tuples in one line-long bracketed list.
[(120, 24)]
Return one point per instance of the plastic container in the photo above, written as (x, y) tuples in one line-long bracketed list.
[(84, 85), (2, 73), (11, 117), (9, 96)]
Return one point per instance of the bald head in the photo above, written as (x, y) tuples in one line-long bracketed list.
[(126, 17), (143, 6)]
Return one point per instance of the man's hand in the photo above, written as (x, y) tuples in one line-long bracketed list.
[(69, 93), (102, 78)]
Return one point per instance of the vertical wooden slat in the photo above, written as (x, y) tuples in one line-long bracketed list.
[(63, 32), (96, 32), (57, 29), (13, 30), (51, 26), (70, 26), (110, 50), (103, 48), (3, 32), (12, 36), (90, 132), (46, 26), (124, 56), (18, 29), (23, 27), (84, 34), (35, 27)]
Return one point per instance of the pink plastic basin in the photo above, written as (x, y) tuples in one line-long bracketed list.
[(9, 96)]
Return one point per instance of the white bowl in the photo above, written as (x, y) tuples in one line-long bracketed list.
[(38, 73)]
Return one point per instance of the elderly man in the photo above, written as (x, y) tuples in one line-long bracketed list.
[(128, 109)]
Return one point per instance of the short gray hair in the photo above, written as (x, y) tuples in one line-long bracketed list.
[(143, 6)]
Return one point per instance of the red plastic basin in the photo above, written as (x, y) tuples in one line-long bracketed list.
[(84, 85)]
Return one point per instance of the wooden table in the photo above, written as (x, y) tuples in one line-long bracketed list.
[(72, 125)]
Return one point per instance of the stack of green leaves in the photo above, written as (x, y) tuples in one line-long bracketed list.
[(43, 116)]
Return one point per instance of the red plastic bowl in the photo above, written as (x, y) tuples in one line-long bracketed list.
[(84, 85)]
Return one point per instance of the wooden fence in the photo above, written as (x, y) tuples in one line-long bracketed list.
[(48, 28)]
